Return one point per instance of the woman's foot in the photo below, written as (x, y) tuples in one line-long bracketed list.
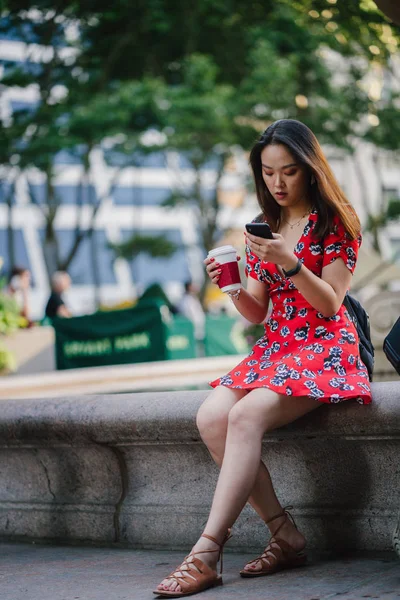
[(285, 548), (198, 570)]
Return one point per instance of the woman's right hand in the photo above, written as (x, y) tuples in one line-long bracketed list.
[(213, 269)]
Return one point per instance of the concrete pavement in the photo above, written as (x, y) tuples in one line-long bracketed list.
[(37, 572)]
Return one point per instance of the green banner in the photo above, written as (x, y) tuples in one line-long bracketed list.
[(181, 342), (140, 334), (224, 335), (116, 337)]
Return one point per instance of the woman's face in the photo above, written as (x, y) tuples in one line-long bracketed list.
[(287, 181)]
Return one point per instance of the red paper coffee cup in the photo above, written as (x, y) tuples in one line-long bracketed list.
[(229, 280)]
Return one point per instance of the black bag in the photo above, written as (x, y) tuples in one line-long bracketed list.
[(391, 346), (360, 318)]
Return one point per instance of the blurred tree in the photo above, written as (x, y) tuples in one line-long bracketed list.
[(156, 247), (155, 36), (69, 115), (222, 69), (199, 125)]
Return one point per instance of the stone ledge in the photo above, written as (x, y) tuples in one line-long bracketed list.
[(170, 416), (131, 469)]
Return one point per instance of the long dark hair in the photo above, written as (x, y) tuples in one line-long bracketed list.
[(325, 194)]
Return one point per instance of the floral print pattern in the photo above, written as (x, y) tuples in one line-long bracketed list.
[(303, 353)]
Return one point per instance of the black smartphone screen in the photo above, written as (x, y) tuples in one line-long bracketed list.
[(262, 230)]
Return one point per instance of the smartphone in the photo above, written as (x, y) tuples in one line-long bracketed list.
[(262, 230)]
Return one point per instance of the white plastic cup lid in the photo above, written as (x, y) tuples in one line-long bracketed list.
[(222, 250)]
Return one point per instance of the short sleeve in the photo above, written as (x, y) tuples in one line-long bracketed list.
[(338, 244)]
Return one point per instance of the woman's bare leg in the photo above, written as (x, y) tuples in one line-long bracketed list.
[(260, 411), (212, 422)]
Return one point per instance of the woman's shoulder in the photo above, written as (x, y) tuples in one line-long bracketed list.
[(335, 225), (338, 234)]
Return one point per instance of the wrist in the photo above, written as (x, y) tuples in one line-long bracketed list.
[(290, 263), (292, 272), (235, 294)]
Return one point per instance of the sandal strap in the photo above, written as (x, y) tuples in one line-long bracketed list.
[(280, 545), (191, 576), (210, 537), (284, 513), (272, 554), (220, 545), (281, 514), (187, 578)]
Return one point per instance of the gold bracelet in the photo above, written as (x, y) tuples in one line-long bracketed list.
[(234, 294)]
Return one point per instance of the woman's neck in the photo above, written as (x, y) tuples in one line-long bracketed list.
[(297, 211)]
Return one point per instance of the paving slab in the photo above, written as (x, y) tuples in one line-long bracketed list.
[(40, 572)]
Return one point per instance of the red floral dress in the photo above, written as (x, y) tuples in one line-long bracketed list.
[(303, 353)]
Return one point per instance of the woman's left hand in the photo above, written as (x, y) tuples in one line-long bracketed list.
[(274, 251)]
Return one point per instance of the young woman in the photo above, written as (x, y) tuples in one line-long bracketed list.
[(308, 355)]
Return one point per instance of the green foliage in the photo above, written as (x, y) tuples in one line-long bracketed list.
[(387, 133), (10, 320), (7, 360), (376, 221), (154, 37), (393, 209), (176, 198), (154, 246), (198, 114)]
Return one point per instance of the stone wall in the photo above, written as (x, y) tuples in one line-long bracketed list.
[(130, 469)]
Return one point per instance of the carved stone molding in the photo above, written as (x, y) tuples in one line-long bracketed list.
[(383, 310)]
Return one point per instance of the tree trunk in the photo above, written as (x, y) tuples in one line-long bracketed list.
[(50, 244), (94, 260), (81, 234)]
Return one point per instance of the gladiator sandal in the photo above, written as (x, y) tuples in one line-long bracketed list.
[(278, 555), (193, 575)]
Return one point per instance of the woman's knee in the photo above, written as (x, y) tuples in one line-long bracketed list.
[(212, 416), (241, 416), (249, 416), (211, 420)]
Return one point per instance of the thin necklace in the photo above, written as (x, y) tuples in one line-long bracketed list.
[(297, 222)]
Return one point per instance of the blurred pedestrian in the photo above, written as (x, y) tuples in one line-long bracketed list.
[(18, 288), (56, 307), (191, 307)]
